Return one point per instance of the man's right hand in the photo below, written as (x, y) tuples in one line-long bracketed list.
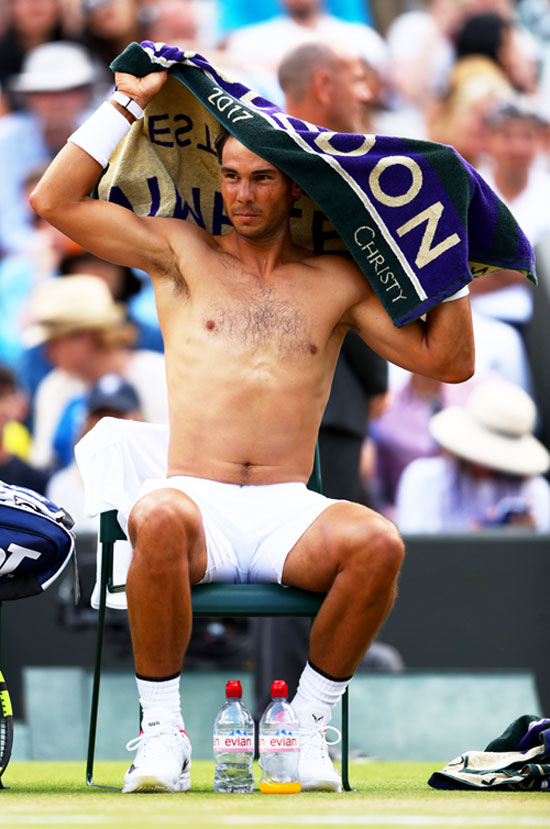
[(142, 90)]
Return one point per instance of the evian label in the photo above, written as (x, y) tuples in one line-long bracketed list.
[(236, 741), (281, 741)]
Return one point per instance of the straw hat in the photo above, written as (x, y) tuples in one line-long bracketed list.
[(69, 304), (55, 67), (493, 429)]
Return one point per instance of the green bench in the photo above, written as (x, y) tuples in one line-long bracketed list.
[(209, 600)]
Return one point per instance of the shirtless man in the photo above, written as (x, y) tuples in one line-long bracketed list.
[(252, 326)]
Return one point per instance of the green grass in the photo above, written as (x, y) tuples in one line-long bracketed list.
[(387, 795)]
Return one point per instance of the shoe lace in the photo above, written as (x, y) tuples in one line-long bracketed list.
[(142, 741), (135, 742), (316, 738)]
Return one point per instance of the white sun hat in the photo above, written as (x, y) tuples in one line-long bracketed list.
[(55, 67), (68, 304), (494, 429)]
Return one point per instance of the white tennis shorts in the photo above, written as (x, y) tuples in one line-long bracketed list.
[(249, 530)]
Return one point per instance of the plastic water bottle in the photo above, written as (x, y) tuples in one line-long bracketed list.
[(279, 744), (233, 743)]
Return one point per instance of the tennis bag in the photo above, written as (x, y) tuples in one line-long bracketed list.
[(36, 542)]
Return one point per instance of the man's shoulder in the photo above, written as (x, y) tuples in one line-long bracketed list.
[(169, 226), (331, 262), (343, 268), (186, 239)]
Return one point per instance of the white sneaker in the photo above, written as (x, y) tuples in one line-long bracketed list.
[(163, 759), (317, 772)]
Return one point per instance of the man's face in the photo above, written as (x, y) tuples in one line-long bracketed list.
[(257, 196), (71, 352), (303, 9), (112, 19), (58, 112), (350, 93), (35, 17), (514, 143)]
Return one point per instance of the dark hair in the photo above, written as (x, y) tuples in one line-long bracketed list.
[(220, 140), (482, 34)]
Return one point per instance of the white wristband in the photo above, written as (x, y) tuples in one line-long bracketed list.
[(464, 291), (127, 103), (101, 134)]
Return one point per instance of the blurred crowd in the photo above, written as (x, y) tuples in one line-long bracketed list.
[(79, 337)]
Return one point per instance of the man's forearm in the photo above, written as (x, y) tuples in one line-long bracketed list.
[(73, 175), (101, 134)]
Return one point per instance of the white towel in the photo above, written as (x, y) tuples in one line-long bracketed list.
[(114, 458)]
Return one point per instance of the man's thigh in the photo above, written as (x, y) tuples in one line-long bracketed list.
[(166, 509), (316, 558)]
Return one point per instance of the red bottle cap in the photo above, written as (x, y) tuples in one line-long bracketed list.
[(279, 689), (233, 689)]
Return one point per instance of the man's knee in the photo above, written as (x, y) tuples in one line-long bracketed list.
[(372, 545), (163, 522)]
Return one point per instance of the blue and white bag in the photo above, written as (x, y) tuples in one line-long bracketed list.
[(36, 542)]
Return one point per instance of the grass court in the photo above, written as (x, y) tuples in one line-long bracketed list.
[(387, 795)]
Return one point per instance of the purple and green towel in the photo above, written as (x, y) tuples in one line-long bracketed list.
[(419, 221), (517, 760)]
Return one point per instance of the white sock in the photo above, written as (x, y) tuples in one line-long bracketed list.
[(318, 689), (162, 693)]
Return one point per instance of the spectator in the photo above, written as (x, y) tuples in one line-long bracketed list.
[(494, 57), (421, 53), (491, 472), (13, 469), (49, 254), (176, 22), (325, 85), (514, 143), (302, 20), (535, 17), (86, 337), (111, 396), (56, 85), (20, 273), (458, 117), (126, 287), (499, 39), (402, 434), (108, 27), (29, 23), (241, 13)]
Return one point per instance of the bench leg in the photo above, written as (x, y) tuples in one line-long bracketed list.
[(97, 668), (345, 741)]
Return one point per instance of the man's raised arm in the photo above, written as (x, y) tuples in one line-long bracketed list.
[(441, 347), (62, 196)]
